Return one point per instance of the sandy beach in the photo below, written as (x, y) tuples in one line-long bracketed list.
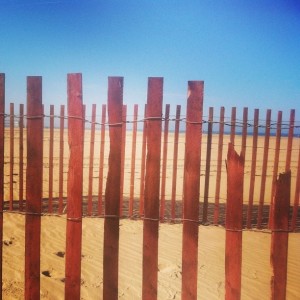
[(256, 269)]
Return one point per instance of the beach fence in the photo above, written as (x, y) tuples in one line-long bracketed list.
[(153, 166)]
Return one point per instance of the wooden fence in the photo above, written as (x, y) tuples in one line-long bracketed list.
[(80, 179)]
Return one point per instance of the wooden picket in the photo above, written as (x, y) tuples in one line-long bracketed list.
[(191, 189), (21, 157), (101, 159), (143, 161), (51, 145), (253, 169), (175, 162), (276, 163), (152, 185), (234, 224), (61, 159), (91, 162), (207, 165), (164, 163), (244, 132), (123, 139), (133, 155), (34, 177), (74, 189), (233, 125), (280, 236), (264, 169), (219, 166), (290, 141), (112, 192)]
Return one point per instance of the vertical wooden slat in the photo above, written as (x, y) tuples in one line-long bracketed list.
[(253, 168), (50, 207), (290, 141), (101, 160), (219, 166), (152, 183), (61, 159), (74, 189), (113, 192), (143, 160), (91, 162), (21, 158), (2, 118), (280, 236), (244, 132), (234, 224), (296, 196), (276, 163), (232, 124), (83, 123), (11, 155), (124, 119), (207, 165), (133, 155), (191, 189), (264, 170), (34, 177), (164, 163), (175, 163)]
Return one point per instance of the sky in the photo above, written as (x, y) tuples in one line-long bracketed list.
[(247, 52)]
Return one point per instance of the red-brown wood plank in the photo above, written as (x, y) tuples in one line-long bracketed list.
[(264, 170), (133, 155), (61, 160), (91, 162), (83, 123), (143, 161), (152, 185), (164, 163), (124, 120), (234, 224), (207, 164), (244, 132), (34, 180), (2, 118), (192, 159), (101, 159), (112, 192), (219, 166), (50, 207), (21, 158), (11, 154), (276, 162), (290, 141), (74, 187), (280, 236), (253, 168), (232, 124), (175, 163)]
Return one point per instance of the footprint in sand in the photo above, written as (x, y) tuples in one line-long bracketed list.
[(174, 271), (60, 254), (8, 242), (46, 273)]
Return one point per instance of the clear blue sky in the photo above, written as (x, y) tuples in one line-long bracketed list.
[(247, 52)]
